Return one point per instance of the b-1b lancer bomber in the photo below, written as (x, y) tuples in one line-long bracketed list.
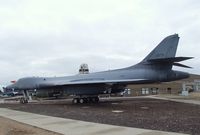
[(156, 67)]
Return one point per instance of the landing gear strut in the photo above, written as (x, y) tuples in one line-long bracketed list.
[(82, 100), (24, 100)]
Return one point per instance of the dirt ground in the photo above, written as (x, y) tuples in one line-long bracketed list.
[(10, 127), (140, 113)]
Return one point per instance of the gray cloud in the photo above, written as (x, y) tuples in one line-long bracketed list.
[(52, 38)]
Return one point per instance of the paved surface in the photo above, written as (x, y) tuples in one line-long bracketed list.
[(74, 127), (12, 127), (189, 101), (145, 113)]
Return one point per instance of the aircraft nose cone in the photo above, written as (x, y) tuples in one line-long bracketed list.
[(9, 87)]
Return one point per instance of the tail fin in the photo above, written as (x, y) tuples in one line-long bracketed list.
[(163, 56), (165, 49)]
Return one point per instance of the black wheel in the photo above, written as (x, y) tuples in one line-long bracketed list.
[(86, 100), (25, 101), (22, 100), (81, 100), (92, 99), (96, 99), (75, 101)]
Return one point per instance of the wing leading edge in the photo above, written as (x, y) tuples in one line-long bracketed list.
[(82, 82)]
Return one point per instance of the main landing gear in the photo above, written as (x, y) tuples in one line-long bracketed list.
[(82, 100)]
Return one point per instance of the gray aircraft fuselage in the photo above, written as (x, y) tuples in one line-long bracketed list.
[(155, 68)]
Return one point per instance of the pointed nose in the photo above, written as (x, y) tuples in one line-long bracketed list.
[(10, 87)]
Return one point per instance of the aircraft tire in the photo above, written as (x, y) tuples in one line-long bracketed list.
[(75, 101), (93, 100), (23, 101), (90, 99), (96, 99), (86, 100), (81, 100)]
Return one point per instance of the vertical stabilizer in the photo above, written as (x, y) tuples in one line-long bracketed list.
[(163, 56), (165, 49)]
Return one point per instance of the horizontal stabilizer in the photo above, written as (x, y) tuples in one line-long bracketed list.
[(181, 65), (169, 60)]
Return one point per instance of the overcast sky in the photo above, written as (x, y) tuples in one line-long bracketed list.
[(53, 37)]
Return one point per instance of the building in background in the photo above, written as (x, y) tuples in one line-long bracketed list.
[(176, 87)]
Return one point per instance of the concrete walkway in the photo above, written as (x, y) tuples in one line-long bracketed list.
[(74, 127), (189, 101)]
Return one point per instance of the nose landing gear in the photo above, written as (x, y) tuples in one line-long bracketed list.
[(24, 100)]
